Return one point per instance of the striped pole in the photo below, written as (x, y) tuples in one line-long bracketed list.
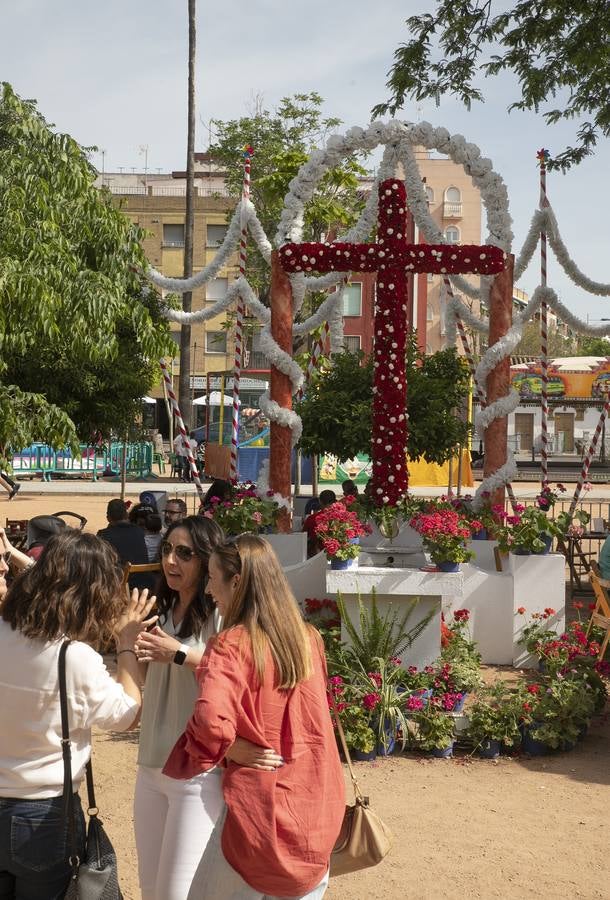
[(239, 322), (466, 346), (187, 444), (471, 365), (314, 359), (542, 157), (590, 454)]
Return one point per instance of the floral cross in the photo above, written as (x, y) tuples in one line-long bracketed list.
[(393, 258)]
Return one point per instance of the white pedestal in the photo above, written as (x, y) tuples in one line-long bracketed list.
[(493, 598), (395, 588)]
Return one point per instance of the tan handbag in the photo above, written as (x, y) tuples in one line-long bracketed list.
[(364, 840)]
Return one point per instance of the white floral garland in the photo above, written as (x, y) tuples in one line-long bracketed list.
[(240, 288)]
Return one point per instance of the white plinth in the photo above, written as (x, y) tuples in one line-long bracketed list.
[(395, 588), (493, 598)]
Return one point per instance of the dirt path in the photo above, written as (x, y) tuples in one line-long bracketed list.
[(511, 829)]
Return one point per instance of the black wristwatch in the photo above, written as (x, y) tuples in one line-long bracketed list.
[(180, 655)]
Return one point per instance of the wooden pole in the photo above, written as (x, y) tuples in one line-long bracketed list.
[(280, 387), (498, 380)]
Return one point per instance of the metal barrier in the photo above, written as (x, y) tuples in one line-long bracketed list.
[(93, 461)]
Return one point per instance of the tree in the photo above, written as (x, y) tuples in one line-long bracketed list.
[(558, 50), (592, 346), (336, 410), (282, 142), (69, 279), (558, 344)]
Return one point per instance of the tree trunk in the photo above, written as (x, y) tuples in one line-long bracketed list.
[(184, 390)]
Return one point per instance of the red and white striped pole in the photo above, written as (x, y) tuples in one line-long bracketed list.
[(314, 359), (471, 365), (542, 157), (239, 321), (590, 454), (181, 428)]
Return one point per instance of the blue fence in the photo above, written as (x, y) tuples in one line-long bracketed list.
[(40, 459)]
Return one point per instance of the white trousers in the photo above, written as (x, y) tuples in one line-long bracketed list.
[(215, 879), (173, 822)]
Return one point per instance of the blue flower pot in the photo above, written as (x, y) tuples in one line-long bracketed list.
[(489, 749), (443, 753), (547, 540), (566, 746), (386, 749), (340, 564), (362, 756), (530, 745), (459, 706), (448, 566), (480, 535)]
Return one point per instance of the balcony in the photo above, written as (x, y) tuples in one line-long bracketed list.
[(257, 360), (172, 244), (452, 210)]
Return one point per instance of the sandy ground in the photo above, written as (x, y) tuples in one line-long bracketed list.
[(511, 829)]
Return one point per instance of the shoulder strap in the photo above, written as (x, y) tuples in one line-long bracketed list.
[(68, 796), (348, 759)]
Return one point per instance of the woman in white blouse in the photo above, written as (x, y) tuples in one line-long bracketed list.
[(74, 592)]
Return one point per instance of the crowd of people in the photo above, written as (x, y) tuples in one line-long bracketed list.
[(239, 789)]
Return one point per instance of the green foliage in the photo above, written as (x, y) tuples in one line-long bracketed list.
[(558, 343), (70, 296), (495, 715), (282, 141), (337, 408), (592, 346), (555, 50), (378, 637), (436, 729)]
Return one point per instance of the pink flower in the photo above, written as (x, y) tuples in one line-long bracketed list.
[(370, 701), (257, 517)]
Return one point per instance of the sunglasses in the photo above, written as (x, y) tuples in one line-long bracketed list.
[(180, 550)]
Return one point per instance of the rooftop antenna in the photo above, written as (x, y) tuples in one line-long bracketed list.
[(143, 150), (103, 155)]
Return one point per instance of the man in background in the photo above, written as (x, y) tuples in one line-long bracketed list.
[(128, 541)]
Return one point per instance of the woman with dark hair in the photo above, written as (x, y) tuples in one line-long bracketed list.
[(75, 593), (263, 679), (173, 820), (217, 492)]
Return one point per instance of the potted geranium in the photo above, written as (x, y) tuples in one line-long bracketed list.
[(245, 511), (339, 530), (355, 719), (493, 720), (444, 534), (436, 729)]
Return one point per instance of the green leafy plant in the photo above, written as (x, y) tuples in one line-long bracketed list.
[(556, 709), (245, 511), (383, 696), (436, 729), (379, 636), (494, 716)]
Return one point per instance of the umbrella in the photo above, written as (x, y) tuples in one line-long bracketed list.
[(214, 400), (148, 400)]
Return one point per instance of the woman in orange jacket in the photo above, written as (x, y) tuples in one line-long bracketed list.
[(263, 678)]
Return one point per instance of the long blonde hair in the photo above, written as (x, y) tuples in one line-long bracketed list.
[(265, 606)]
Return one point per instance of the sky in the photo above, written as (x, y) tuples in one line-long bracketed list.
[(113, 75)]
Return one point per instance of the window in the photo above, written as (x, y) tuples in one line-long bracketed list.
[(352, 299), (429, 194), (216, 289), (351, 342), (216, 342), (215, 235), (452, 195), (173, 235), (429, 313), (452, 235)]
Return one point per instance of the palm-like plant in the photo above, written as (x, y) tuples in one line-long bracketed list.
[(378, 636)]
